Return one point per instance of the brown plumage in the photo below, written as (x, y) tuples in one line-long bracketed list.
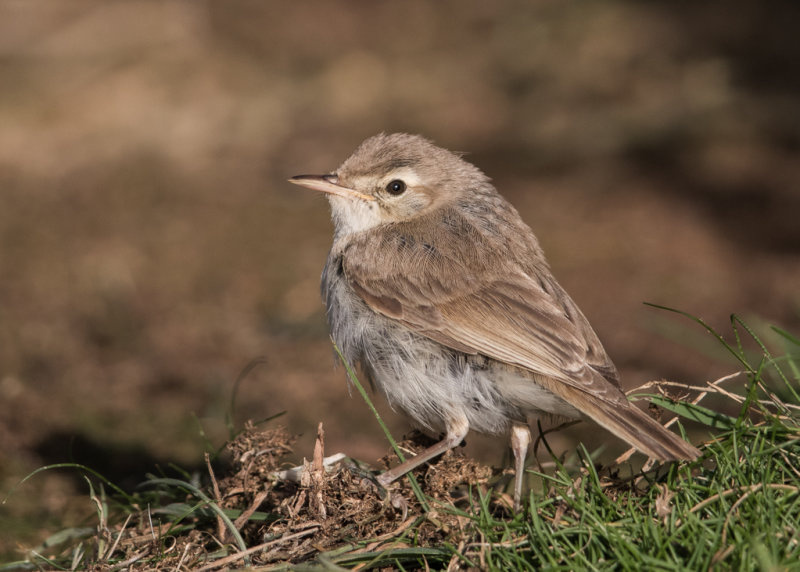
[(436, 286)]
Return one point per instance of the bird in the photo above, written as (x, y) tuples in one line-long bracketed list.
[(443, 296)]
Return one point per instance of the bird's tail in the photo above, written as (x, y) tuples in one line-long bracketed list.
[(644, 433), (630, 424)]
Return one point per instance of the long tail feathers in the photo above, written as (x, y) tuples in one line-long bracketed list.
[(645, 434), (630, 424)]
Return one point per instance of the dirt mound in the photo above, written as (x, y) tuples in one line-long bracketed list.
[(286, 515)]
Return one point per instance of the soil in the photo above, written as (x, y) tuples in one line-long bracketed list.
[(339, 506)]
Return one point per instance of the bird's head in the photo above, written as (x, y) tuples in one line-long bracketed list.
[(393, 178)]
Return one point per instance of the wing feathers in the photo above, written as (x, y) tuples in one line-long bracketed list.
[(499, 311), (499, 300)]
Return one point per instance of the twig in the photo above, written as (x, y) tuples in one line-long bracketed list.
[(260, 548), (243, 518), (748, 491), (378, 540), (221, 531), (186, 549), (125, 563), (119, 536), (318, 474)]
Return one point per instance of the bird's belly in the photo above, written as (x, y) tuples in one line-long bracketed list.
[(429, 382)]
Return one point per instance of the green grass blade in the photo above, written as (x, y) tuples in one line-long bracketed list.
[(695, 412), (784, 334), (354, 379), (733, 351), (231, 412), (209, 502), (78, 466)]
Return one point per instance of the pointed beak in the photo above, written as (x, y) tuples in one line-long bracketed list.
[(329, 184)]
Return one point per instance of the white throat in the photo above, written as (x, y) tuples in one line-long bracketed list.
[(353, 215)]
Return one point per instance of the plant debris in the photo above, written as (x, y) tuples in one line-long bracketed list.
[(337, 510)]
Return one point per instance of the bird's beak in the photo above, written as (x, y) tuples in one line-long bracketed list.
[(329, 184)]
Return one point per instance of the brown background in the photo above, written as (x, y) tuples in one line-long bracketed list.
[(150, 247)]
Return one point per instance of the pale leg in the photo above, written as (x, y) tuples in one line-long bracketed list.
[(456, 431), (520, 439)]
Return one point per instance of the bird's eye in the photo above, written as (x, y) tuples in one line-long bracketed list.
[(396, 187)]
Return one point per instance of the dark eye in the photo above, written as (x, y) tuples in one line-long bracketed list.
[(396, 187)]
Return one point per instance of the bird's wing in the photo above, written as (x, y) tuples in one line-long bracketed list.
[(514, 316)]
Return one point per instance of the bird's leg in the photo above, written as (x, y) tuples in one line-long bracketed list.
[(520, 439), (456, 430)]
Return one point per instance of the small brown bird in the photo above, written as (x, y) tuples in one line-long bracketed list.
[(441, 293)]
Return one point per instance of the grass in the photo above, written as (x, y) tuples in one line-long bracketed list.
[(737, 507)]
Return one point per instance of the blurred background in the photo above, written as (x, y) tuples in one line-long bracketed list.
[(151, 248)]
